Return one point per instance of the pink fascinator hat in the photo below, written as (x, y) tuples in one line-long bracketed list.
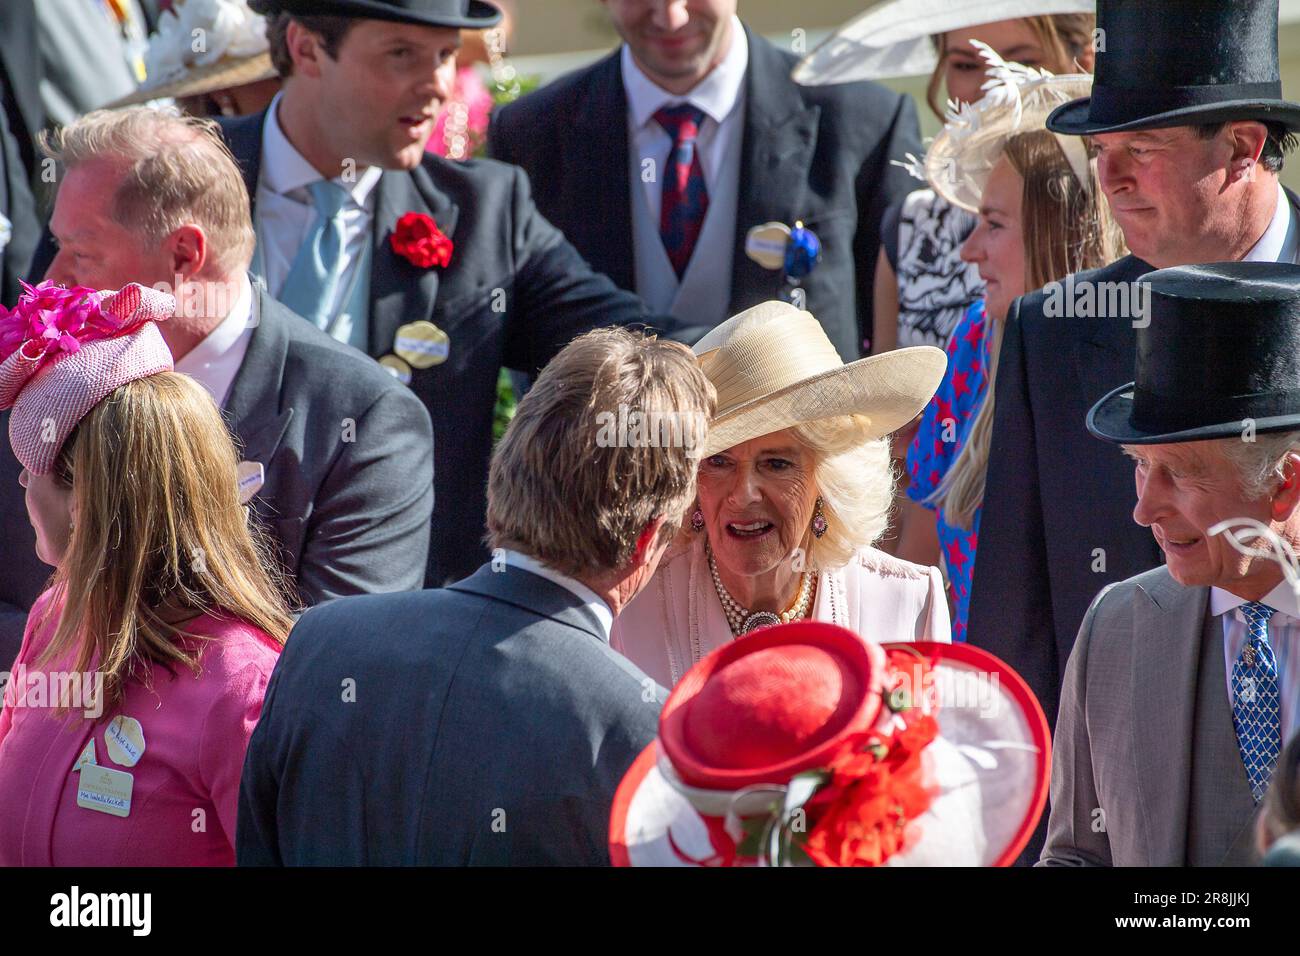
[(63, 351)]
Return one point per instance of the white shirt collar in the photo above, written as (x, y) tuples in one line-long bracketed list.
[(205, 362), (1280, 240), (1281, 598), (717, 94), (286, 171), (590, 598)]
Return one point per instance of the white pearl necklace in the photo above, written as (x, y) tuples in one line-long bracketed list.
[(742, 621)]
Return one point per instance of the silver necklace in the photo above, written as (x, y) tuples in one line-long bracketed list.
[(742, 621)]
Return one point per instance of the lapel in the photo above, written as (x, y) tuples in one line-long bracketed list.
[(532, 593), (599, 152), (253, 410), (776, 153), (1168, 620), (399, 291)]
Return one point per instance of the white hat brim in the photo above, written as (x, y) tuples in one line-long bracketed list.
[(892, 39)]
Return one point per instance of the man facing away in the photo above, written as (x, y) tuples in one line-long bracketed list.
[(490, 722)]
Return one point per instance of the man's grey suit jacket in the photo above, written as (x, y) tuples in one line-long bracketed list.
[(487, 723), (348, 456), (1146, 770)]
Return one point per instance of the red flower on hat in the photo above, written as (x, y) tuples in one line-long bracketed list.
[(417, 238)]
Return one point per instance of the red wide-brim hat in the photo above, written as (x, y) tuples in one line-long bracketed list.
[(959, 755)]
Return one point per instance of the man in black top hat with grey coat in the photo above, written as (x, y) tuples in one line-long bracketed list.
[(1181, 688)]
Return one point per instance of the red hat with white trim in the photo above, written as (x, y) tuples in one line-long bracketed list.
[(805, 744)]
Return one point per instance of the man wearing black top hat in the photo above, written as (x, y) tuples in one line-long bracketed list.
[(444, 272), (1189, 127), (1182, 686)]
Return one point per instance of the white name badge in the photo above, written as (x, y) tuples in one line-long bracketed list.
[(124, 740), (252, 476), (106, 790)]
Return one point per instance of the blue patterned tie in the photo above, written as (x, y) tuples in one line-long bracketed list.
[(685, 198), (317, 268), (1256, 707)]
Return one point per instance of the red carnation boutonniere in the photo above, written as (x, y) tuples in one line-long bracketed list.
[(417, 238)]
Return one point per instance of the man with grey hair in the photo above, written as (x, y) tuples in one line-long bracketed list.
[(489, 723), (337, 458), (1184, 682)]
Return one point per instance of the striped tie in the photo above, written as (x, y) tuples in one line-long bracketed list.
[(685, 198)]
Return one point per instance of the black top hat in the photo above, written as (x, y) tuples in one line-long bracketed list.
[(1181, 63), (1220, 353), (465, 14)]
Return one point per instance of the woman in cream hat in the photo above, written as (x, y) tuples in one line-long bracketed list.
[(212, 57), (794, 486)]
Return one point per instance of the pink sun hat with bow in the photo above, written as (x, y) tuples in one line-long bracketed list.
[(63, 351)]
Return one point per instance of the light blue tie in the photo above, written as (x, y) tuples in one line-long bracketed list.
[(1256, 707), (318, 267)]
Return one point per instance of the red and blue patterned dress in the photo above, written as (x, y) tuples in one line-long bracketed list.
[(940, 438)]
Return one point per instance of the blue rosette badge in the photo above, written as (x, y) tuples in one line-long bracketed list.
[(802, 253)]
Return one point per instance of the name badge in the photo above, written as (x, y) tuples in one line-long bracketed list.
[(252, 476), (106, 790), (124, 740)]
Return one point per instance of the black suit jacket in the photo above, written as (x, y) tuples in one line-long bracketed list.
[(514, 294), (21, 72), (817, 154), (18, 207), (1057, 524), (488, 723), (348, 458)]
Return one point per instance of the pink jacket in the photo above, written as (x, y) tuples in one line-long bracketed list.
[(186, 781)]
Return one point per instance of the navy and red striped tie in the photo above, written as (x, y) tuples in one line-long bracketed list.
[(685, 198)]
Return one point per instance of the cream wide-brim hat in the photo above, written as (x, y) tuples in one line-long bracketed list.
[(892, 39), (225, 74), (774, 367)]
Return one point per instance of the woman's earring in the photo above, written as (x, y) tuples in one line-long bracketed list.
[(819, 520), (697, 520)]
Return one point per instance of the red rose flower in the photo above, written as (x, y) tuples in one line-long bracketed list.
[(417, 238)]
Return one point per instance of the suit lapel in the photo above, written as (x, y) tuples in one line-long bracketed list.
[(532, 593), (776, 152), (401, 292), (1168, 620), (600, 149), (253, 410)]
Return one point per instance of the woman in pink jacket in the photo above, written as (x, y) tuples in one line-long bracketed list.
[(143, 666)]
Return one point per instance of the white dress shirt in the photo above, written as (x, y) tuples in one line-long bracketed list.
[(1283, 637), (704, 291), (1281, 240), (590, 598), (215, 361), (286, 214)]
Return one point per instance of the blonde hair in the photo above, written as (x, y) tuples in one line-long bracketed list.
[(159, 528), (570, 491), (1064, 37), (176, 170), (855, 479), (1067, 227)]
